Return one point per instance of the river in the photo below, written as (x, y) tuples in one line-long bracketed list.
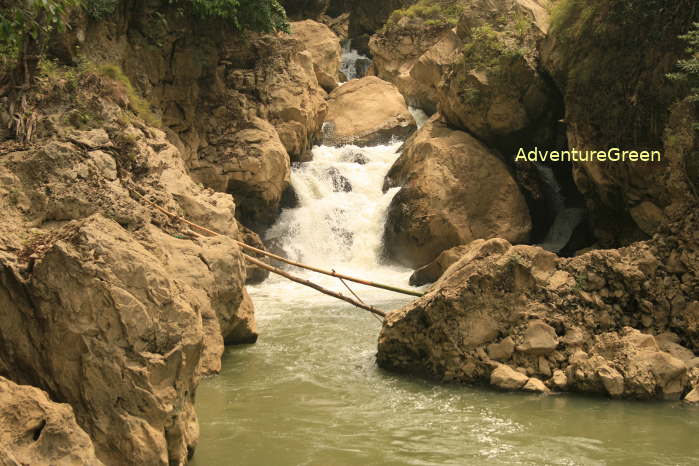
[(310, 393)]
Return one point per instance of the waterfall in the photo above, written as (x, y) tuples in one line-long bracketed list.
[(566, 219), (354, 65), (339, 221)]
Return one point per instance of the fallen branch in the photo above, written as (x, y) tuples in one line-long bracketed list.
[(280, 258), (303, 281)]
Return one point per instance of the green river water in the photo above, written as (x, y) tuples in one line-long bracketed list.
[(310, 393)]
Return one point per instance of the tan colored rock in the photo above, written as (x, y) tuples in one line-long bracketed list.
[(396, 49), (325, 49), (255, 168), (476, 88), (506, 378), (253, 274), (535, 385), (693, 396), (613, 381), (501, 351), (454, 190), (559, 380), (648, 216), (431, 272), (36, 431), (366, 112), (243, 328), (539, 338)]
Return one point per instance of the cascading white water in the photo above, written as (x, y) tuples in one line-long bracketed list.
[(566, 219), (353, 64), (338, 223)]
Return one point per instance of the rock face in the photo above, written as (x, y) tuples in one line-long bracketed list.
[(454, 190), (35, 430), (618, 323), (109, 305), (325, 50), (431, 272), (624, 198), (367, 17), (253, 166), (481, 75), (366, 112), (397, 48)]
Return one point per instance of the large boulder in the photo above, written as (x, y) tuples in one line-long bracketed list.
[(453, 190), (597, 323), (325, 50), (366, 112), (625, 197), (483, 76), (430, 273), (395, 50), (35, 430), (252, 165)]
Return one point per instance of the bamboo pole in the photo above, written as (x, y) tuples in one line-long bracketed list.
[(302, 281), (283, 259)]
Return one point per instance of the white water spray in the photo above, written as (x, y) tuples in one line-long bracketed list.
[(338, 223)]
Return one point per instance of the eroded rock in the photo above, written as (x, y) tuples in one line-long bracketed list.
[(366, 112), (36, 431), (325, 50), (453, 190)]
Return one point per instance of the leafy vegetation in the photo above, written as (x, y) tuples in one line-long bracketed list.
[(432, 12), (100, 9), (689, 68), (255, 15)]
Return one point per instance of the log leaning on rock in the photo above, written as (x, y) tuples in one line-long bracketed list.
[(263, 265)]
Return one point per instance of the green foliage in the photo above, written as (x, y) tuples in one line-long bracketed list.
[(34, 19), (101, 9), (433, 12), (256, 15), (689, 68), (486, 50)]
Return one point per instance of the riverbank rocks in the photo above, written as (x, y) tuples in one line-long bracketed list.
[(109, 304), (615, 323), (325, 50), (431, 272), (453, 190), (365, 112), (34, 430)]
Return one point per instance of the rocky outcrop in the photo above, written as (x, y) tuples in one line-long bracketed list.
[(301, 9), (108, 304), (325, 50), (484, 77), (365, 112), (431, 272), (35, 430), (250, 163), (453, 190), (396, 49), (624, 197), (620, 323)]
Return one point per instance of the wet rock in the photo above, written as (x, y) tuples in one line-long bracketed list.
[(340, 182), (243, 328), (35, 430), (454, 190), (354, 156), (324, 46), (253, 274), (539, 338), (506, 378), (366, 112), (535, 385)]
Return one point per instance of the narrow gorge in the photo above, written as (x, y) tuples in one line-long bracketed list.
[(492, 157)]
